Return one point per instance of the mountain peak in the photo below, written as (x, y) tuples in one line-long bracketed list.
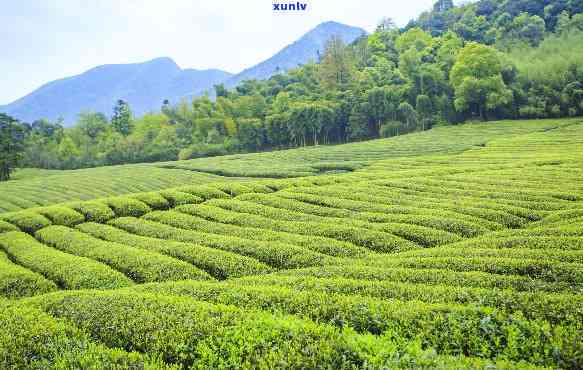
[(163, 61), (300, 52), (147, 84)]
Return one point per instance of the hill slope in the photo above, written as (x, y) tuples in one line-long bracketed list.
[(477, 249), (143, 85), (146, 85), (300, 52)]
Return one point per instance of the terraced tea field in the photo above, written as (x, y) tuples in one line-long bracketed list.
[(34, 188), (460, 247)]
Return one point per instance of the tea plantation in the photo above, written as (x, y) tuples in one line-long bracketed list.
[(459, 247)]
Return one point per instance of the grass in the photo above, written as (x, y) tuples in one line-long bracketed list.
[(459, 247)]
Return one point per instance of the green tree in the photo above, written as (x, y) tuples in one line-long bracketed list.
[(424, 109), (443, 6), (92, 124), (407, 115), (221, 91), (122, 118), (476, 78), (250, 133), (12, 145), (524, 28), (358, 122), (379, 103), (337, 66)]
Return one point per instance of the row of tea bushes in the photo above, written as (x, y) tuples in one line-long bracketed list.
[(337, 229), (555, 308), (277, 255), (66, 270), (193, 333), (139, 265), (32, 339), (546, 270), (430, 277), (218, 263), (17, 281), (323, 245)]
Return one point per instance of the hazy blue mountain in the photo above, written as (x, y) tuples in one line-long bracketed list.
[(143, 85), (146, 85), (300, 52)]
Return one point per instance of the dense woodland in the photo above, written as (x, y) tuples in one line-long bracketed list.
[(487, 60)]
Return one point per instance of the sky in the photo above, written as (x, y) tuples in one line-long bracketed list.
[(44, 40)]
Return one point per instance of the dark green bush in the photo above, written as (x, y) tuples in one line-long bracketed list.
[(233, 188), (67, 270), (6, 227), (60, 215), (278, 255), (31, 339), (206, 192), (140, 265), (187, 221), (177, 198), (94, 211), (154, 200), (220, 264), (193, 333), (17, 281), (126, 206), (27, 221)]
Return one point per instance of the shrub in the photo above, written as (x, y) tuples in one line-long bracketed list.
[(31, 339), (371, 239), (547, 270), (126, 207), (233, 188), (141, 266), (177, 198), (94, 211), (16, 281), (292, 205), (153, 200), (202, 151), (258, 187), (62, 215), (423, 236), (186, 221), (430, 277), (220, 264), (192, 333), (6, 227), (554, 308), (515, 253), (206, 192), (277, 255), (524, 241), (27, 221), (377, 211), (68, 271), (372, 307)]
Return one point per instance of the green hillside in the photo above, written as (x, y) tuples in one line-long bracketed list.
[(457, 247), (33, 188)]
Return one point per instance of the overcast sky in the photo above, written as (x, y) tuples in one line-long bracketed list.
[(43, 40)]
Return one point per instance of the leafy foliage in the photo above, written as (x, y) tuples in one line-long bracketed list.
[(389, 83)]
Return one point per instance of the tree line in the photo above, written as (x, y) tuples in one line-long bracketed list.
[(482, 61)]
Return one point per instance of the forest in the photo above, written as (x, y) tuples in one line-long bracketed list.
[(486, 60)]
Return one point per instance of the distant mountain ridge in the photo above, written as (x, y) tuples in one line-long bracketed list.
[(302, 51), (146, 85), (143, 85)]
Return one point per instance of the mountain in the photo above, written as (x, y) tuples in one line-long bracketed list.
[(302, 51), (146, 85), (143, 85)]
